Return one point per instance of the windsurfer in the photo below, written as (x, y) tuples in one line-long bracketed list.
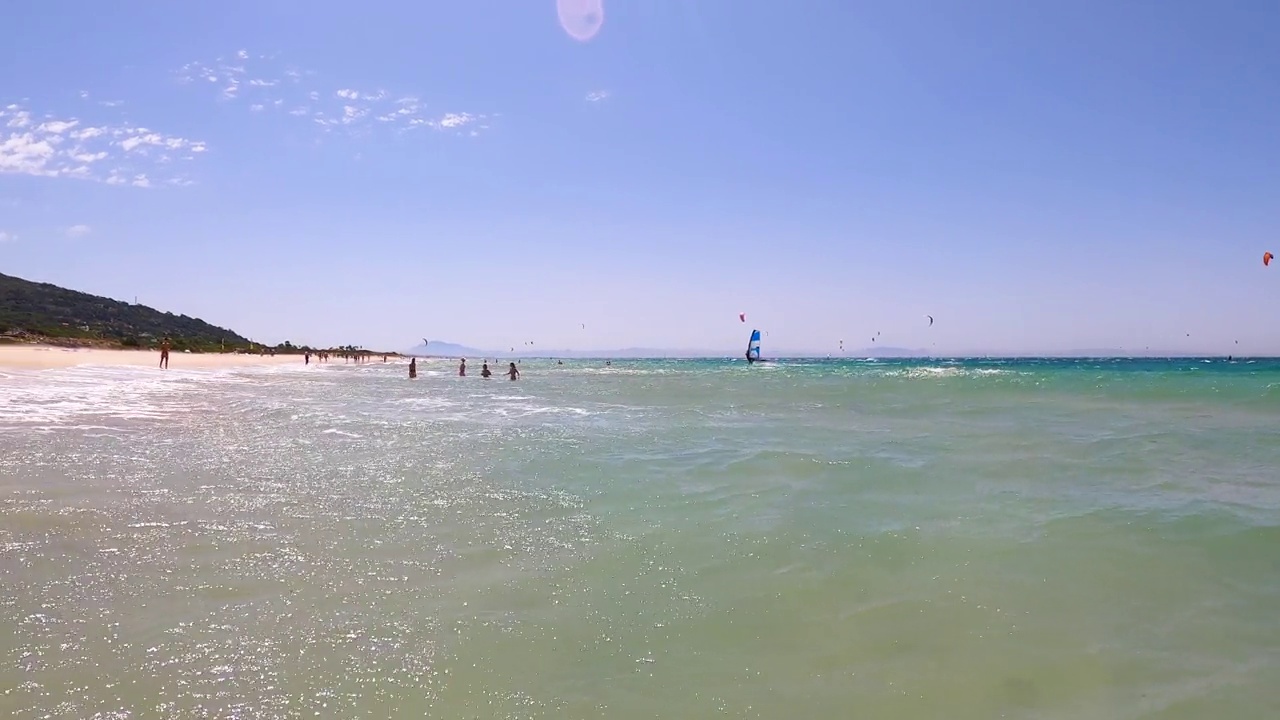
[(753, 348)]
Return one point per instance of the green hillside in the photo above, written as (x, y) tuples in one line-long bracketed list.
[(50, 311)]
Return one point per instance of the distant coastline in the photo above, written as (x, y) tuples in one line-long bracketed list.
[(43, 314), (27, 339), (440, 349)]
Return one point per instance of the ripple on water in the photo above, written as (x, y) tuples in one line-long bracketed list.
[(946, 538)]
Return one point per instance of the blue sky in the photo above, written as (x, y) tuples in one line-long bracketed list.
[(1036, 176)]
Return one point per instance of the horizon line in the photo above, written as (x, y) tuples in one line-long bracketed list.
[(856, 357), (458, 350)]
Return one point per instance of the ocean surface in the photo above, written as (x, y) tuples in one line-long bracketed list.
[(656, 539)]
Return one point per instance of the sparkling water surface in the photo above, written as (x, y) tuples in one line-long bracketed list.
[(654, 539)]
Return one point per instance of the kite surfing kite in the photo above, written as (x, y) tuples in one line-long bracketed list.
[(1266, 258), (742, 317), (930, 320)]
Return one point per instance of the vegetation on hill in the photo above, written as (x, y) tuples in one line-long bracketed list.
[(49, 311)]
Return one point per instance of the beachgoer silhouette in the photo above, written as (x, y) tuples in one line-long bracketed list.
[(484, 370), (413, 368), (462, 368), (164, 353), (513, 372)]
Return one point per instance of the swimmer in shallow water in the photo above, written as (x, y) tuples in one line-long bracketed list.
[(484, 370), (513, 372)]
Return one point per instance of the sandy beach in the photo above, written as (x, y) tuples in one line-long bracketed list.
[(43, 357)]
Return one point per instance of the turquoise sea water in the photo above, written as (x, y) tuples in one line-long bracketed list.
[(656, 539)]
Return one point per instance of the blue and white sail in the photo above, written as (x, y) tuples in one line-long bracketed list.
[(753, 346)]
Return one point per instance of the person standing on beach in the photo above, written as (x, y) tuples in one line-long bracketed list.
[(164, 353), (513, 372), (413, 368), (462, 368)]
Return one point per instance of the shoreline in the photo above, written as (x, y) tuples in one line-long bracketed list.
[(51, 357)]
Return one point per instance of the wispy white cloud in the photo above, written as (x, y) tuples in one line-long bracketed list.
[(7, 237), (597, 96), (78, 230), (264, 85), (85, 95), (139, 180), (456, 120), (50, 146)]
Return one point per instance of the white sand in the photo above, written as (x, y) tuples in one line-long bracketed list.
[(43, 357)]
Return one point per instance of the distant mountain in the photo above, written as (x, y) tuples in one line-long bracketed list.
[(877, 351), (440, 348), (52, 311), (437, 348)]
